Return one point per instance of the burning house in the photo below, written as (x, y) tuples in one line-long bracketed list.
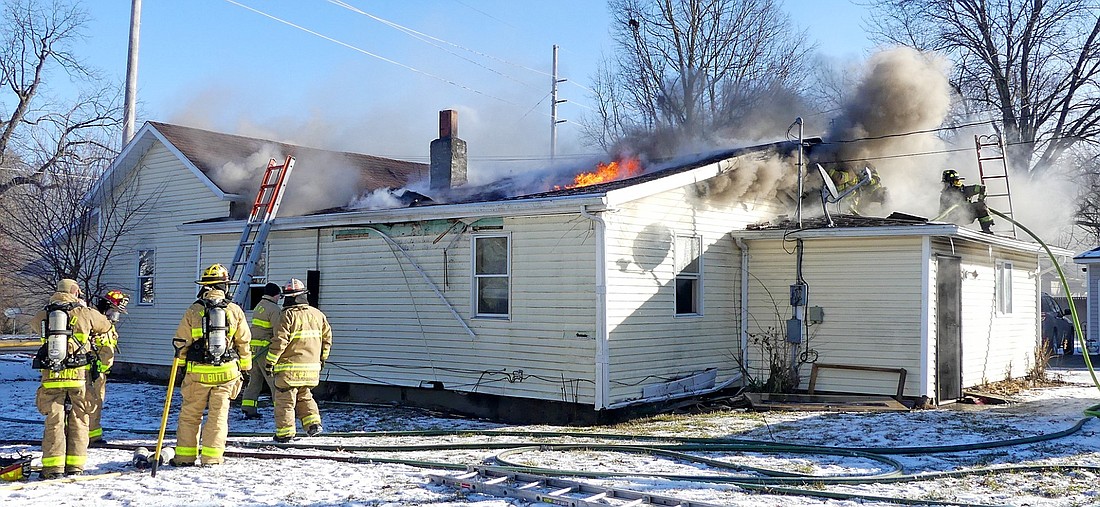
[(566, 296)]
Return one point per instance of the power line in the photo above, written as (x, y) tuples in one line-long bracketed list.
[(428, 39), (368, 53)]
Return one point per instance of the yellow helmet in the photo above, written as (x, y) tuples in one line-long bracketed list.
[(214, 274)]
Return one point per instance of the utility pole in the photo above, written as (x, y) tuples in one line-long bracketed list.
[(131, 73), (554, 121)]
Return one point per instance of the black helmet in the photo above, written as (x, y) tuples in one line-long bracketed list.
[(272, 289), (951, 176)]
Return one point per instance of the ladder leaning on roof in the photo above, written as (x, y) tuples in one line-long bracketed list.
[(251, 246), (993, 172)]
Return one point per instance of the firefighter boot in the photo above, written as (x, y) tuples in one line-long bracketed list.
[(314, 430), (987, 225)]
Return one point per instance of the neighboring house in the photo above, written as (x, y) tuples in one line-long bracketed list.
[(1091, 320), (954, 307), (566, 305)]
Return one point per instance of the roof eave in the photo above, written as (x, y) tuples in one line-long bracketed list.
[(539, 206), (931, 229), (642, 190)]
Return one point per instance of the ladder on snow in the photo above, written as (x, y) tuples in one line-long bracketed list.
[(251, 246), (993, 172), (553, 490)]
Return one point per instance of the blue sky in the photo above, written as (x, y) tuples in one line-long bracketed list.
[(219, 65)]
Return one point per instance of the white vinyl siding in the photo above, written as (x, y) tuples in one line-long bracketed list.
[(145, 331), (995, 345), (870, 293), (647, 344), (406, 335)]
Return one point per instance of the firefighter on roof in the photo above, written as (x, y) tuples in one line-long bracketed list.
[(265, 317), (68, 329), (962, 204), (299, 349), (213, 339), (112, 305), (846, 176)]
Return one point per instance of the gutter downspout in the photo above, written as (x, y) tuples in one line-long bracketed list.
[(744, 324), (602, 346), (927, 355)]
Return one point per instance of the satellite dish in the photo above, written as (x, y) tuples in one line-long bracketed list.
[(829, 186)]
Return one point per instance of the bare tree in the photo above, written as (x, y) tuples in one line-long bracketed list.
[(39, 133), (690, 67), (70, 227), (1031, 64)]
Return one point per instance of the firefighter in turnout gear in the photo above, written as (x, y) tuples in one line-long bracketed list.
[(299, 349), (68, 330), (213, 339), (265, 317), (112, 305), (961, 204), (846, 176)]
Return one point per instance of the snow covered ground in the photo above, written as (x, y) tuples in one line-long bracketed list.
[(289, 481)]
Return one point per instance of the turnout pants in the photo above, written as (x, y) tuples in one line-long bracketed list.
[(257, 378), (291, 402), (198, 397), (96, 391), (65, 438)]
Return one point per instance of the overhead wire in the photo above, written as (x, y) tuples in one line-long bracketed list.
[(368, 53), (437, 42)]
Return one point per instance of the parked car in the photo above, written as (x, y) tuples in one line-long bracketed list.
[(1058, 332)]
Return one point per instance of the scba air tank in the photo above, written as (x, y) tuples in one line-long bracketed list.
[(215, 332), (57, 336)]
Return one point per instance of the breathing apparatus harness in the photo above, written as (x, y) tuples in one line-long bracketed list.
[(58, 333), (213, 346)]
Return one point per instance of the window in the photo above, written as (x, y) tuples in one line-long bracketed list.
[(146, 273), (1003, 284), (689, 276), (491, 276)]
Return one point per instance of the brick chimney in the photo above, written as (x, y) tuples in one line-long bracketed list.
[(448, 154)]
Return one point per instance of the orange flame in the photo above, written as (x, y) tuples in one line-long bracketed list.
[(615, 170)]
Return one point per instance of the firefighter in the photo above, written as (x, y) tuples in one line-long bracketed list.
[(264, 318), (68, 328), (962, 204), (299, 349), (213, 339), (112, 305), (845, 176)]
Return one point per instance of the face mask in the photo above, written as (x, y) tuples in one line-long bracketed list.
[(112, 315)]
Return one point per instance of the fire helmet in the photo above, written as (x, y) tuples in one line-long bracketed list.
[(117, 299), (951, 176), (294, 287), (214, 274)]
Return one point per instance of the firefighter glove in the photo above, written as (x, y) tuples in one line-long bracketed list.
[(245, 376), (269, 368)]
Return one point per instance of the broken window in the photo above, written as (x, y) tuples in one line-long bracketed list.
[(146, 273), (491, 276), (689, 276), (1003, 284)]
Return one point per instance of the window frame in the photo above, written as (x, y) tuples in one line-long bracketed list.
[(678, 274), (476, 278), (1002, 282), (140, 287)]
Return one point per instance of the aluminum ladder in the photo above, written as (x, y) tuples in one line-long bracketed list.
[(993, 172), (553, 490), (251, 246)]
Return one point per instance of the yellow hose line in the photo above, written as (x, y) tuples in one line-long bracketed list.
[(13, 344), (1095, 409)]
